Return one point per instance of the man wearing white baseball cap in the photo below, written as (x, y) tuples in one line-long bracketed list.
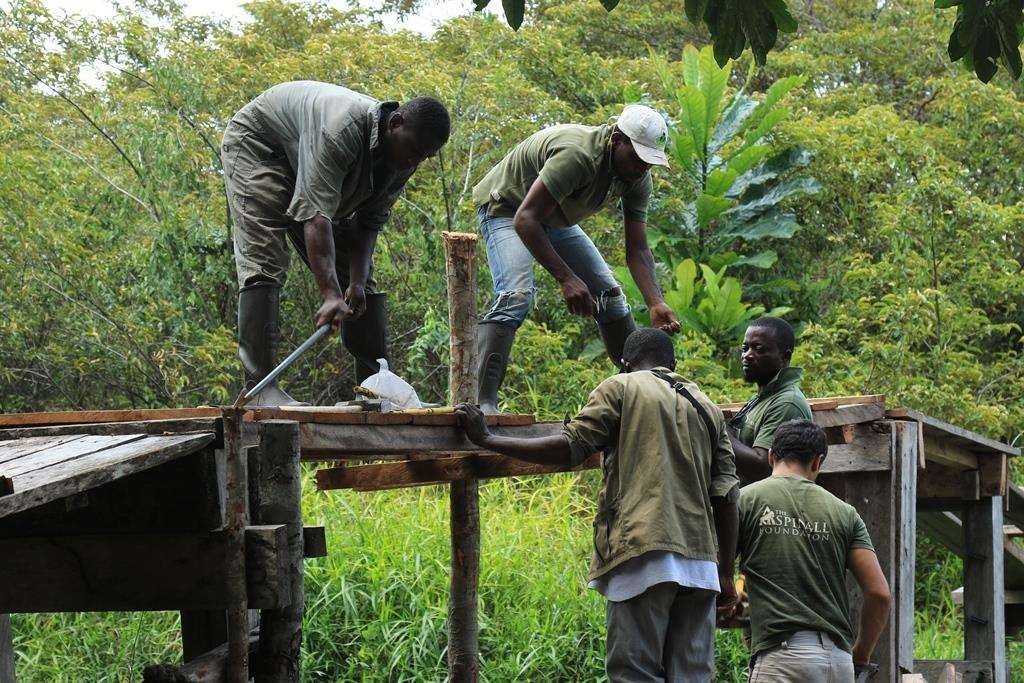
[(529, 206)]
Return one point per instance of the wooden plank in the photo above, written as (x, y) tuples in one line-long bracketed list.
[(436, 471), (13, 450), (939, 481), (136, 572), (870, 451), (841, 434), (343, 416), (946, 431), (1012, 531), (1014, 511), (64, 453), (984, 609), (157, 427), (971, 672), (948, 453), (994, 474), (905, 519), (37, 488), (209, 667), (7, 656), (847, 415), (823, 403), (236, 517), (86, 416)]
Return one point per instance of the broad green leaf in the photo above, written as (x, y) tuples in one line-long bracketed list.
[(772, 224), (770, 120), (685, 276), (695, 10), (713, 83), (682, 149), (778, 165), (746, 211), (778, 90), (693, 115), (719, 181), (710, 207), (514, 10), (780, 11), (691, 67), (610, 4), (760, 29), (1009, 47), (747, 158), (764, 259), (740, 107)]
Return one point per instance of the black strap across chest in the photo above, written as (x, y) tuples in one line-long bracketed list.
[(684, 392)]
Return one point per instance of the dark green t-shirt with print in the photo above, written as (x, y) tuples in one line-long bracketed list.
[(794, 541), (778, 401)]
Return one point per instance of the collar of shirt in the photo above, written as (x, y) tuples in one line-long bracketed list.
[(787, 377)]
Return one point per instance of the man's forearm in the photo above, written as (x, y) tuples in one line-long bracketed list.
[(320, 252), (542, 450), (751, 463), (641, 266), (361, 255), (727, 524), (531, 232), (873, 618)]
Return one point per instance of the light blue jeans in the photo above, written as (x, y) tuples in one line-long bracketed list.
[(511, 266)]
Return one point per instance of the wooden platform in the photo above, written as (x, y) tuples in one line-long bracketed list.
[(41, 469)]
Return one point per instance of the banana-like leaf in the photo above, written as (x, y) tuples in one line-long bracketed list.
[(747, 158), (770, 120), (682, 148), (749, 210), (685, 276), (514, 10), (710, 207)]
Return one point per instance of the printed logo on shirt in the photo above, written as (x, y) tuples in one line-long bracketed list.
[(781, 523)]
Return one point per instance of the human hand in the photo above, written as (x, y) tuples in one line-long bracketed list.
[(332, 311), (577, 297), (355, 297), (728, 600), (473, 422), (664, 318)]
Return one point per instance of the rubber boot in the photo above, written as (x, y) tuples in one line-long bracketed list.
[(494, 345), (614, 336), (366, 337), (258, 334)]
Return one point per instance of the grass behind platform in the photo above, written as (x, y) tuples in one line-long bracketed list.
[(376, 606)]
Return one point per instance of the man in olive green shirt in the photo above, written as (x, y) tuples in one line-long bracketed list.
[(319, 166), (529, 207), (767, 350), (665, 528), (797, 541)]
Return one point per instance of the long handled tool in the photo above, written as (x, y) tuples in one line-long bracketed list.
[(284, 365)]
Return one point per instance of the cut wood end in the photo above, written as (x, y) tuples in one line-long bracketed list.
[(459, 236)]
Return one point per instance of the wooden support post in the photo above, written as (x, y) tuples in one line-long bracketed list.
[(460, 265), (6, 651), (278, 495), (984, 608), (904, 484), (236, 498)]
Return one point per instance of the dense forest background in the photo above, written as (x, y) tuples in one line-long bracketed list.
[(891, 237)]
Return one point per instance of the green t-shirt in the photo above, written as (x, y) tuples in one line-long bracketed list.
[(794, 541), (778, 401), (574, 162)]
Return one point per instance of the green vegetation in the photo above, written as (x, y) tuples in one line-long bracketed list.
[(116, 286)]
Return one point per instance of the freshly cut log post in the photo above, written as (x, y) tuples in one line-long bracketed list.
[(460, 265), (236, 498)]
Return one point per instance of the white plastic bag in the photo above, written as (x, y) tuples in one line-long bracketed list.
[(389, 386)]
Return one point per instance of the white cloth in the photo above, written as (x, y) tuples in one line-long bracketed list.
[(636, 575)]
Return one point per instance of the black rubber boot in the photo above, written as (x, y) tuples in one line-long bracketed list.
[(494, 346), (614, 336), (258, 334), (366, 337)]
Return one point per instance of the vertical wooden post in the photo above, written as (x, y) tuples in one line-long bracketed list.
[(236, 497), (460, 265), (984, 593), (904, 483), (6, 651), (278, 497)]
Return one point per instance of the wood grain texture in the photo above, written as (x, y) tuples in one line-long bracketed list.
[(86, 416), (984, 606)]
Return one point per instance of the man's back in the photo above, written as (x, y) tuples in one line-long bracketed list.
[(795, 538)]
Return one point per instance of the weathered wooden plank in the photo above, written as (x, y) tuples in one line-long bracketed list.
[(971, 672), (137, 572), (209, 667), (994, 475), (342, 415), (37, 488), (984, 608), (157, 427), (7, 672), (86, 416), (334, 442), (850, 414), (823, 403), (12, 450), (905, 492), (49, 457), (939, 481), (436, 471), (948, 432), (947, 452)]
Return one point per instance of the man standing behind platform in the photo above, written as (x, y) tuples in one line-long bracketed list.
[(767, 350), (797, 541)]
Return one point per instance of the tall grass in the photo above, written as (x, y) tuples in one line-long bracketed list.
[(376, 606)]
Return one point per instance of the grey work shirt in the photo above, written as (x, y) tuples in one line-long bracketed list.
[(331, 138)]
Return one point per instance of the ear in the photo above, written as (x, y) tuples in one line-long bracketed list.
[(771, 458), (395, 120), (816, 463)]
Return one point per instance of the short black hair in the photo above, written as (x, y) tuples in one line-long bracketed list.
[(782, 331), (649, 346), (429, 116), (799, 440)]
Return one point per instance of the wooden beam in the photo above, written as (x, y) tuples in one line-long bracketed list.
[(463, 636), (941, 481), (91, 416), (971, 672), (984, 608), (436, 471), (208, 667), (904, 486), (136, 572), (816, 404), (236, 518), (157, 427), (948, 453), (7, 673), (945, 431), (278, 495), (343, 416), (849, 415), (994, 474)]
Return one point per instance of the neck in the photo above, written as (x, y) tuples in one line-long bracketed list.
[(784, 468), (762, 383), (636, 367)]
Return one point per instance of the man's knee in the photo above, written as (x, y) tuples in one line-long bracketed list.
[(611, 305), (511, 307)]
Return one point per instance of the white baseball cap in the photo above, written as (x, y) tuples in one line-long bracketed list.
[(647, 131)]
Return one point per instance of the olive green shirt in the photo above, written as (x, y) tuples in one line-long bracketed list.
[(574, 162), (778, 401), (331, 138), (794, 540), (660, 471)]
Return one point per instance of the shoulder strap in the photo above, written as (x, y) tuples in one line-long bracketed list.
[(682, 391)]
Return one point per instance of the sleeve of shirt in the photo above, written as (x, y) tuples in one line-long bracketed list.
[(597, 424), (778, 414), (724, 482), (323, 165), (564, 171), (375, 214), (636, 199), (859, 537)]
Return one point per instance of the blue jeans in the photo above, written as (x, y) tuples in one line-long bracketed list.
[(511, 266)]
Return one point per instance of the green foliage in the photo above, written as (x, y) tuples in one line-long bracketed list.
[(719, 147), (986, 33)]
